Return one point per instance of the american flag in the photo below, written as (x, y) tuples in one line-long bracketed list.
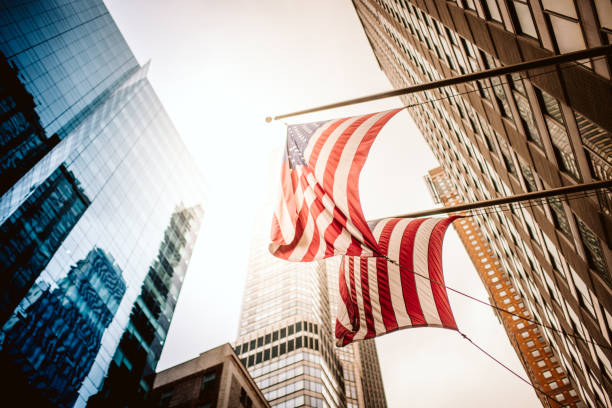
[(319, 213), (378, 296)]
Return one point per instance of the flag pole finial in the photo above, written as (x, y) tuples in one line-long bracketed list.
[(268, 119)]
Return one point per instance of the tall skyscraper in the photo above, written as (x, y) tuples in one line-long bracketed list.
[(533, 350), (285, 337), (517, 133), (93, 177)]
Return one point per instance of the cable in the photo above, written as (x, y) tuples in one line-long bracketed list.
[(508, 368), (493, 306)]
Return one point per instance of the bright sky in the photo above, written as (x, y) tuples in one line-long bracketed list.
[(220, 67)]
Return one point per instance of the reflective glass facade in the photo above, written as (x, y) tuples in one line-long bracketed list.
[(102, 210), (69, 54), (524, 132)]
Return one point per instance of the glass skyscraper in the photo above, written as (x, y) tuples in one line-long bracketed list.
[(99, 207)]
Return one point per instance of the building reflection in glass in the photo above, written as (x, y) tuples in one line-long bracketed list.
[(130, 375), (54, 335)]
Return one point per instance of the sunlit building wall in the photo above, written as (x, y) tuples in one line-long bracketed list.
[(94, 171), (519, 133)]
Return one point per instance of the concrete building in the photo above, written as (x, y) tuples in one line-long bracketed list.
[(215, 379), (535, 130)]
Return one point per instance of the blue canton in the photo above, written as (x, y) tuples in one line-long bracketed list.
[(297, 140)]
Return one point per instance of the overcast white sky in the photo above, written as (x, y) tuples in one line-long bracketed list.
[(220, 67)]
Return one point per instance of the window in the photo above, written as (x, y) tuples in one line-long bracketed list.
[(593, 251), (528, 176), (164, 399), (524, 20), (492, 10), (604, 13), (207, 381), (558, 215), (566, 32)]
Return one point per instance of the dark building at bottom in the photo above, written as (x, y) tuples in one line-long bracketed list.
[(216, 378)]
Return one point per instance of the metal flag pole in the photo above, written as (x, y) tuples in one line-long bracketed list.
[(508, 69), (578, 188)]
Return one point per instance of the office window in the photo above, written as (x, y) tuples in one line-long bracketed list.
[(207, 381), (492, 10), (593, 251), (567, 34), (559, 218), (528, 176), (558, 135), (604, 13), (524, 20)]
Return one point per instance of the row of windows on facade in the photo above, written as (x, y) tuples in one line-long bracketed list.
[(562, 18), (276, 335), (281, 349), (560, 142), (300, 401), (294, 387), (293, 372)]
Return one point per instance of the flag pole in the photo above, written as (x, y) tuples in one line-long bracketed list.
[(578, 188), (488, 73)]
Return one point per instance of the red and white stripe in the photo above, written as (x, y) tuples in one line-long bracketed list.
[(319, 213), (378, 296)]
